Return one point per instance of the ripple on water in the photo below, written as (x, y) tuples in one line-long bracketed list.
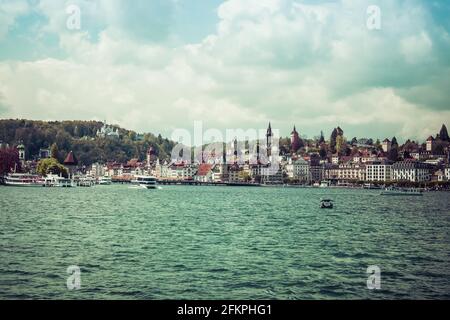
[(218, 242)]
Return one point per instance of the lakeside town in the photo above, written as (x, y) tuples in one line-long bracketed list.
[(315, 162)]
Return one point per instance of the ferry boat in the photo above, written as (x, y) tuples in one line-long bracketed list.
[(401, 192), (24, 180), (56, 181), (147, 182), (105, 181)]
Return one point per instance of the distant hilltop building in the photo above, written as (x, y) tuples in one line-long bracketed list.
[(108, 131)]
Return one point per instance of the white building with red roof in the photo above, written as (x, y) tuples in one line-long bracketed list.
[(204, 173)]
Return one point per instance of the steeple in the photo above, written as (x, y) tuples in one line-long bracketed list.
[(269, 131), (295, 140), (269, 136), (235, 147), (294, 131)]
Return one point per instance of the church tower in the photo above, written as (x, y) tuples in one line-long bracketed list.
[(295, 140), (269, 136), (235, 149), (21, 150)]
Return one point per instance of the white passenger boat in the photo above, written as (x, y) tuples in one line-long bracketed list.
[(105, 181), (56, 181), (401, 192), (24, 180), (147, 182)]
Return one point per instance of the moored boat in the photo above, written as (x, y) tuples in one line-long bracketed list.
[(24, 180), (326, 204), (401, 192), (56, 181), (105, 181)]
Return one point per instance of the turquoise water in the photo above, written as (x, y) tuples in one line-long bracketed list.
[(186, 242)]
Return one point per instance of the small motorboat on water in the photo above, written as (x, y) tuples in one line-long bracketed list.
[(326, 204)]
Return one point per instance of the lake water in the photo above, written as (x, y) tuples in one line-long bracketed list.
[(186, 242)]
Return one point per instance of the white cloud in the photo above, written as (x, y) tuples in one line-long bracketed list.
[(416, 48), (314, 65)]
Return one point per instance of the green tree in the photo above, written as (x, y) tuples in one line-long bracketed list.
[(54, 151), (333, 138), (51, 166), (340, 144)]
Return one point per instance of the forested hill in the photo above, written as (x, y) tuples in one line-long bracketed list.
[(81, 138)]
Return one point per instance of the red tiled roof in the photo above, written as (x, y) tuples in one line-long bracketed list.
[(71, 160), (204, 169), (133, 163)]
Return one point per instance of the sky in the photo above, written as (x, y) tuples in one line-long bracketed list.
[(156, 66)]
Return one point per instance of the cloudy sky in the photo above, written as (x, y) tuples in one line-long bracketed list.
[(153, 66)]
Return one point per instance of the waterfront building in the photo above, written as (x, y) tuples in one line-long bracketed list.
[(182, 171), (410, 170), (300, 170), (97, 171), (447, 173), (271, 175), (161, 171), (256, 172), (316, 172), (235, 174), (220, 173), (349, 172), (378, 171), (330, 172), (204, 173)]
